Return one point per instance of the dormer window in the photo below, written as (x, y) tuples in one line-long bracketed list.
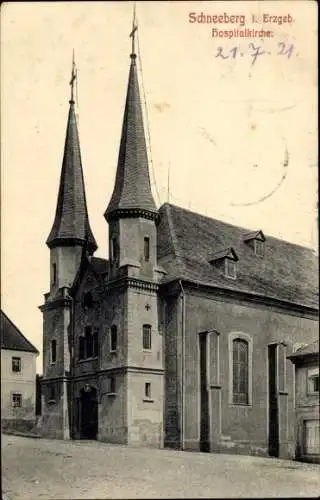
[(259, 248), (256, 241), (225, 261), (230, 269)]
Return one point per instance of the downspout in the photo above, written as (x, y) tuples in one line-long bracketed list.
[(183, 319), (72, 367)]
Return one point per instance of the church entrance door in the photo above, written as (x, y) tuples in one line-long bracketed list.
[(88, 421)]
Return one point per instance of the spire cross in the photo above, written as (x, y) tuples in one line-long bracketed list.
[(73, 78), (134, 29)]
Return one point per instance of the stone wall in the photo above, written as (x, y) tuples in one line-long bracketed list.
[(243, 428)]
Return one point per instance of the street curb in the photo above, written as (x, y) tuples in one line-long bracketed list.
[(21, 434)]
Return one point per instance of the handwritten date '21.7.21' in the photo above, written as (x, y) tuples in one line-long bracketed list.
[(256, 51)]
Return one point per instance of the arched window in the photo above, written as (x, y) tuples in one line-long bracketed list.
[(146, 337), (88, 300), (89, 342), (51, 393), (113, 338), (95, 344), (111, 385), (113, 249), (146, 249), (81, 347), (240, 371), (53, 351), (54, 273)]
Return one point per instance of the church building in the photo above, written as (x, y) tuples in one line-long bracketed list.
[(180, 338)]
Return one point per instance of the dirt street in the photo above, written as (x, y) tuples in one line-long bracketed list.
[(43, 469)]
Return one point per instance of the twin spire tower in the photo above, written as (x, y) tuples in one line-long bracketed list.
[(132, 192), (97, 310)]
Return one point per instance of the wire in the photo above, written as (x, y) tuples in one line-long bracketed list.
[(147, 120), (77, 101)]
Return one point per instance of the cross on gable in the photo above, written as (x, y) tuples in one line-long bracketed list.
[(147, 307)]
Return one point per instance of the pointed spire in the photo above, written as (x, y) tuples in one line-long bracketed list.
[(71, 224), (132, 192)]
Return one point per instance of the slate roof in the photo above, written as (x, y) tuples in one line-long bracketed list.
[(71, 220), (186, 240), (306, 350), (132, 185), (12, 338)]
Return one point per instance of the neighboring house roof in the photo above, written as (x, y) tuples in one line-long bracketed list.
[(306, 351), (186, 240), (12, 338)]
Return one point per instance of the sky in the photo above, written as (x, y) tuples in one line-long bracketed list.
[(230, 137)]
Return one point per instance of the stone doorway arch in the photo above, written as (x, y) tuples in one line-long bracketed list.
[(88, 413)]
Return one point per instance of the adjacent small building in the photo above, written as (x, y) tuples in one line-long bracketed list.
[(307, 386), (18, 377)]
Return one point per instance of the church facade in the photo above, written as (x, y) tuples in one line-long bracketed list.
[(181, 337)]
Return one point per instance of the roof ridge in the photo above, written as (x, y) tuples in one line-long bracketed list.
[(267, 236), (175, 242), (99, 258)]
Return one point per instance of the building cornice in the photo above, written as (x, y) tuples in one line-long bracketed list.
[(304, 359), (66, 242), (128, 282), (131, 213), (48, 380), (104, 371), (244, 297), (61, 299)]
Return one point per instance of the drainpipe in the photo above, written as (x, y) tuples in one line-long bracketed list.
[(183, 319), (72, 367)]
